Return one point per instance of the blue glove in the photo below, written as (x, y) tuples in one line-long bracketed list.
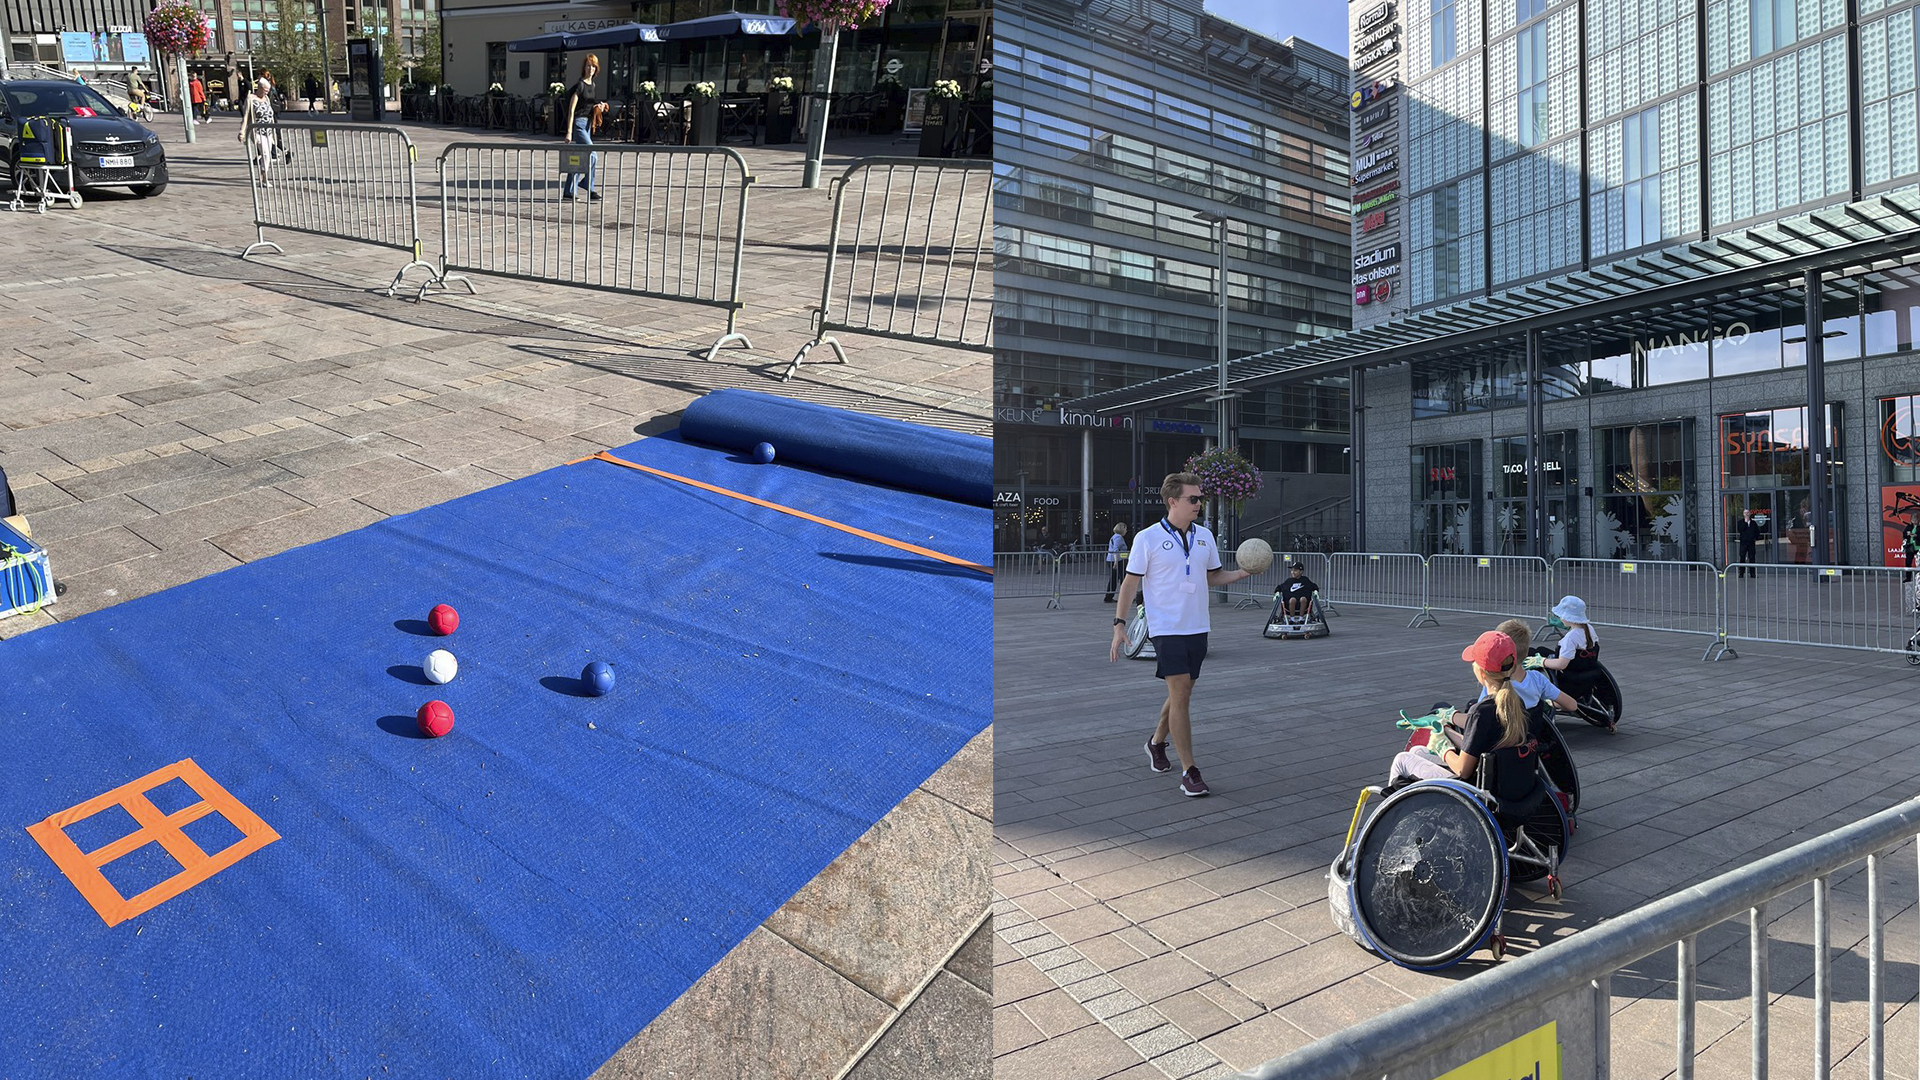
[(1535, 663)]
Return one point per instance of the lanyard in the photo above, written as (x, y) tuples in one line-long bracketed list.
[(1186, 542)]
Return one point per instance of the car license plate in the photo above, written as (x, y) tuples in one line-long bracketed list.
[(122, 161)]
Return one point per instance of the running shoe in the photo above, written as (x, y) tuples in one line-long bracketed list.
[(1157, 757), (1191, 785)]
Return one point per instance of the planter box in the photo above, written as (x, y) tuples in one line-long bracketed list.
[(706, 123), (944, 128), (781, 109)]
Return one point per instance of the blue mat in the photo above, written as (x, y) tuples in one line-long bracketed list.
[(522, 896), (946, 464)]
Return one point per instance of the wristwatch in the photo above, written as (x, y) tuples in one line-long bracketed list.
[(1119, 622)]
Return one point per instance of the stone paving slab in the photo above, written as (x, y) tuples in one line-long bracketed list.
[(168, 410), (1209, 915)]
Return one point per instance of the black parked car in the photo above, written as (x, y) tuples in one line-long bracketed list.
[(109, 150)]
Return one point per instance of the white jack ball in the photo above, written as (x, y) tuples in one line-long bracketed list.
[(440, 667)]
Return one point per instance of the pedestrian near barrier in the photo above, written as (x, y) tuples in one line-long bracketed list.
[(351, 181), (907, 256), (583, 108), (1749, 532), (1117, 549), (1163, 562), (671, 222)]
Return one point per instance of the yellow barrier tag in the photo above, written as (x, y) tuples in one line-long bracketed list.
[(1533, 1056), (1484, 562), (1375, 558), (1629, 568), (318, 136), (1829, 573)]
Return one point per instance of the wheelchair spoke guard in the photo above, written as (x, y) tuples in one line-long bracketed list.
[(1429, 875)]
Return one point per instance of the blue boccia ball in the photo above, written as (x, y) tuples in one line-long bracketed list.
[(763, 453), (598, 677)]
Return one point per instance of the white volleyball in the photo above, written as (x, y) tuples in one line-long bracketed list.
[(440, 667)]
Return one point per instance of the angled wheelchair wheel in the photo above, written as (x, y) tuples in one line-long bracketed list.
[(1429, 875), (1138, 641), (1548, 832), (1558, 763), (1276, 619)]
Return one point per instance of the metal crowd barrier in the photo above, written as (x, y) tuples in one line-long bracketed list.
[(1026, 575), (1853, 607), (1084, 573), (1508, 585), (1569, 982), (912, 262), (1392, 580), (342, 180), (1678, 596), (1257, 591), (671, 221)]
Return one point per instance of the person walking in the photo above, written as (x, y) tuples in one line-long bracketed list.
[(256, 121), (582, 108), (1164, 560), (1749, 540), (1910, 544), (197, 99), (1116, 558)]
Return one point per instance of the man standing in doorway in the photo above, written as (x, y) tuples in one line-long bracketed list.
[(1177, 560), (197, 99), (1749, 539)]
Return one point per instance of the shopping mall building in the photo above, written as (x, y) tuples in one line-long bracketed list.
[(1588, 239)]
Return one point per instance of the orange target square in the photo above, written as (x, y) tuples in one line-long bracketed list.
[(84, 868)]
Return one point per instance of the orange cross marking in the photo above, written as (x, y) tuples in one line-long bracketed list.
[(84, 868)]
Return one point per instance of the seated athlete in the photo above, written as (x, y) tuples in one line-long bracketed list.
[(1497, 725), (1534, 687), (1579, 659), (1297, 592)]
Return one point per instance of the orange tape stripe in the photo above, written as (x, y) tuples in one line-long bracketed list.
[(862, 533), (83, 869)]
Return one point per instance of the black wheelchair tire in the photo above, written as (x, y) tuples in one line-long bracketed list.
[(1558, 762), (1431, 923)]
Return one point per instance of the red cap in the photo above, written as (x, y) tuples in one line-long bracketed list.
[(1491, 651)]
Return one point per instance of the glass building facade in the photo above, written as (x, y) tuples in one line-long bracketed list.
[(1549, 137), (1117, 127)]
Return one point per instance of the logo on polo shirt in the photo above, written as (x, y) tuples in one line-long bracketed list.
[(1166, 545)]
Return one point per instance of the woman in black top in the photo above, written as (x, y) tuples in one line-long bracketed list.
[(580, 106)]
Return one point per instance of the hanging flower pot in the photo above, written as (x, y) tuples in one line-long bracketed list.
[(1224, 474)]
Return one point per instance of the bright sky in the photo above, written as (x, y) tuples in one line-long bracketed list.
[(1323, 22)]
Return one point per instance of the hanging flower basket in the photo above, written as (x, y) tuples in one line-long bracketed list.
[(832, 14), (177, 29), (1225, 474)]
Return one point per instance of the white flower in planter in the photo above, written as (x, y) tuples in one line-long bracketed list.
[(948, 88), (782, 83), (496, 88), (704, 90), (556, 88)]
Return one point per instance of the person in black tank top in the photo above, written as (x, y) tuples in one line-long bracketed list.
[(581, 103)]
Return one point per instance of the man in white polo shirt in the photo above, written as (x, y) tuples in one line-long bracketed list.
[(1176, 560)]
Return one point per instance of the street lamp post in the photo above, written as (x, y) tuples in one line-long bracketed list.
[(1223, 398)]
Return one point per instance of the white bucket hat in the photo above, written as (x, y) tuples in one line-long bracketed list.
[(1571, 609)]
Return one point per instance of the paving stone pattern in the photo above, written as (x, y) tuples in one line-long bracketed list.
[(1142, 934), (168, 411)]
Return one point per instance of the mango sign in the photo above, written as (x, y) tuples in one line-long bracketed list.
[(1533, 1056)]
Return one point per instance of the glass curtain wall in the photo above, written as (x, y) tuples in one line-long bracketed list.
[(1645, 491)]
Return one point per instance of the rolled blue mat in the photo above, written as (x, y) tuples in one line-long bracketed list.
[(944, 464)]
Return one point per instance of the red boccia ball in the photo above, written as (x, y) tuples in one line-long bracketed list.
[(436, 719), (443, 619)]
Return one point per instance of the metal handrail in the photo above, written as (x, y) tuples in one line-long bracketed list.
[(1415, 1032)]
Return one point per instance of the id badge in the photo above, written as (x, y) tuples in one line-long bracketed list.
[(1186, 587)]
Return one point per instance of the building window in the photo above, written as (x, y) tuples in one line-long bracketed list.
[(1559, 483), (1528, 9), (1446, 241), (1440, 31), (497, 62), (1766, 467), (1645, 492), (1446, 511), (1899, 456), (1640, 197), (1888, 125), (1536, 125), (1772, 24)]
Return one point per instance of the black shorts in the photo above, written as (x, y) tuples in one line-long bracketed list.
[(1179, 654)]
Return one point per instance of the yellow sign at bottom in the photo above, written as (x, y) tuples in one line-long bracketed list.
[(1533, 1056)]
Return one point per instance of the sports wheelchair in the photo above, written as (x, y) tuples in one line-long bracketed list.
[(1423, 879), (1601, 704), (1139, 644), (1282, 625)]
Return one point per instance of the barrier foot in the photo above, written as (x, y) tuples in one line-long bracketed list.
[(262, 244), (1328, 607), (441, 280), (1719, 650), (726, 337), (1054, 604), (397, 278), (1423, 619), (840, 355), (1247, 602)]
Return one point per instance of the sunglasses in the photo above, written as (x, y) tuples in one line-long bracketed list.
[(1196, 499)]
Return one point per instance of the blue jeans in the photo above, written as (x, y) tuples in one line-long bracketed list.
[(582, 133)]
